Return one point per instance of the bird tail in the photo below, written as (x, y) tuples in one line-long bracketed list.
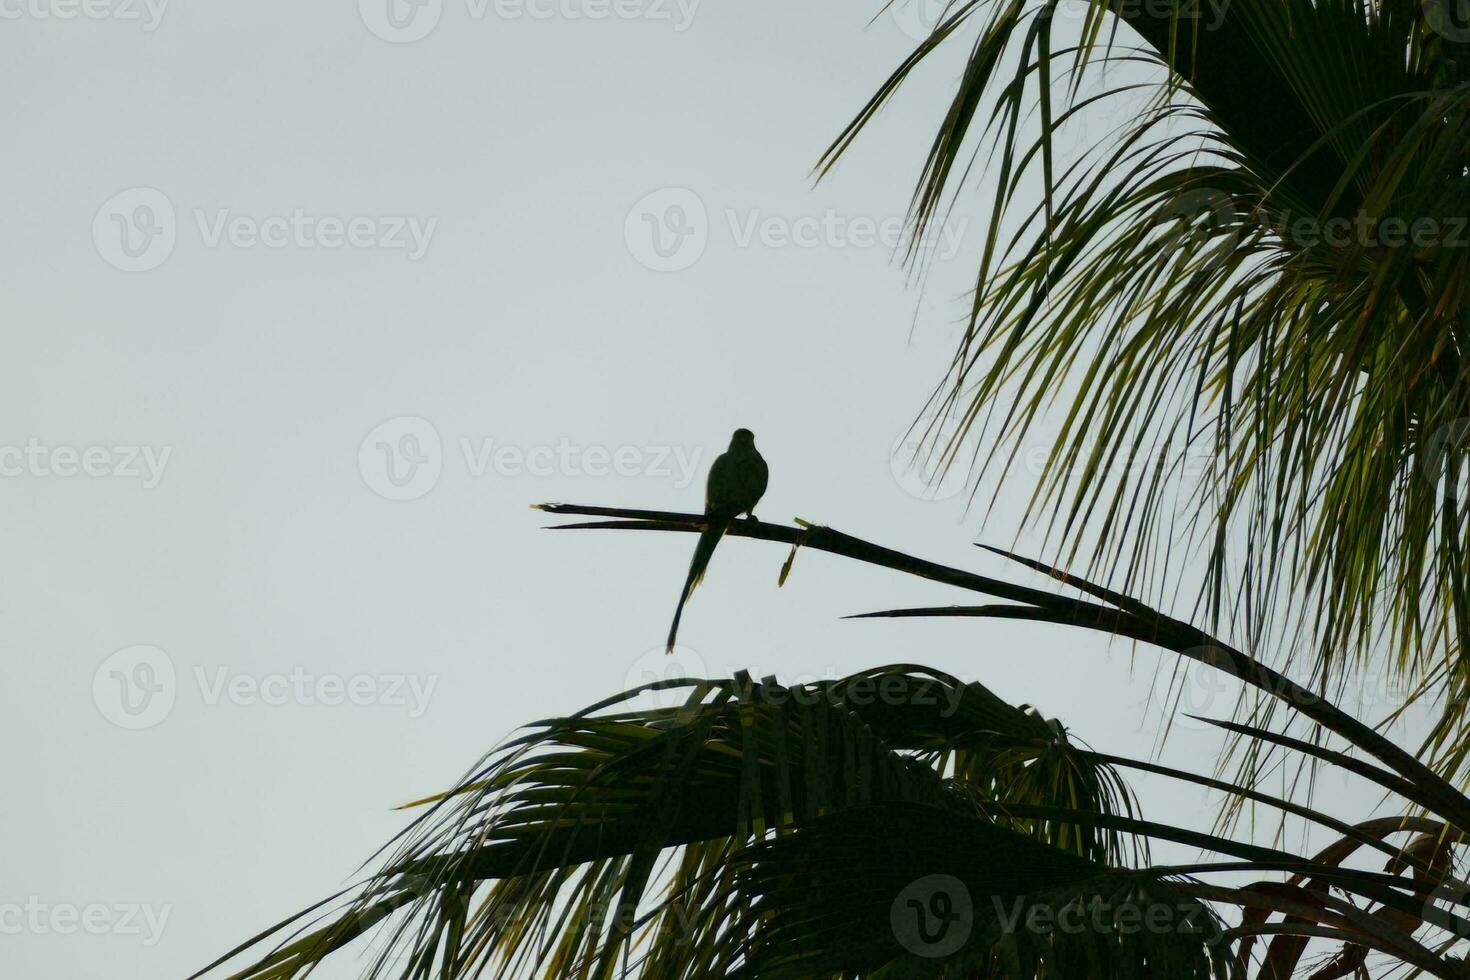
[(702, 553)]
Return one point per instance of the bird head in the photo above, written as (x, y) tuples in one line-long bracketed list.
[(743, 438)]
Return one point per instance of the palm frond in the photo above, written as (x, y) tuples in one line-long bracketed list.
[(618, 832), (896, 823), (1232, 281)]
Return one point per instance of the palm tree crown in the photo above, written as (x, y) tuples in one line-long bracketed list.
[(1260, 271)]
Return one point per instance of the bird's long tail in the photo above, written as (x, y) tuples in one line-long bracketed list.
[(697, 566)]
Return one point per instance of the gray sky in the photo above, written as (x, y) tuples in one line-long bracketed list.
[(306, 305)]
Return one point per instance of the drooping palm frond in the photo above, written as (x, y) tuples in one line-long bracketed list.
[(865, 892), (1260, 272), (896, 823), (623, 832)]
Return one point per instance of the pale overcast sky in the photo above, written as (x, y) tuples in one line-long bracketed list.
[(308, 302)]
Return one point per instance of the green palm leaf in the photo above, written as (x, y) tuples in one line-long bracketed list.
[(1220, 283), (896, 823), (622, 832)]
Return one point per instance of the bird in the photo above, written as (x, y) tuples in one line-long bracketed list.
[(737, 480)]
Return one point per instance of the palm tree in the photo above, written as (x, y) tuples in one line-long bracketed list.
[(1259, 268), (895, 823), (1264, 262)]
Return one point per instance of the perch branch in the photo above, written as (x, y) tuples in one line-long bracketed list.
[(1122, 616)]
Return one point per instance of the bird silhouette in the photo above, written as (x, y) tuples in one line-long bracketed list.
[(735, 485)]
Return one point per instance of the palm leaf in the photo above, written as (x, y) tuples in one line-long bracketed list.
[(764, 830), (1176, 284)]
